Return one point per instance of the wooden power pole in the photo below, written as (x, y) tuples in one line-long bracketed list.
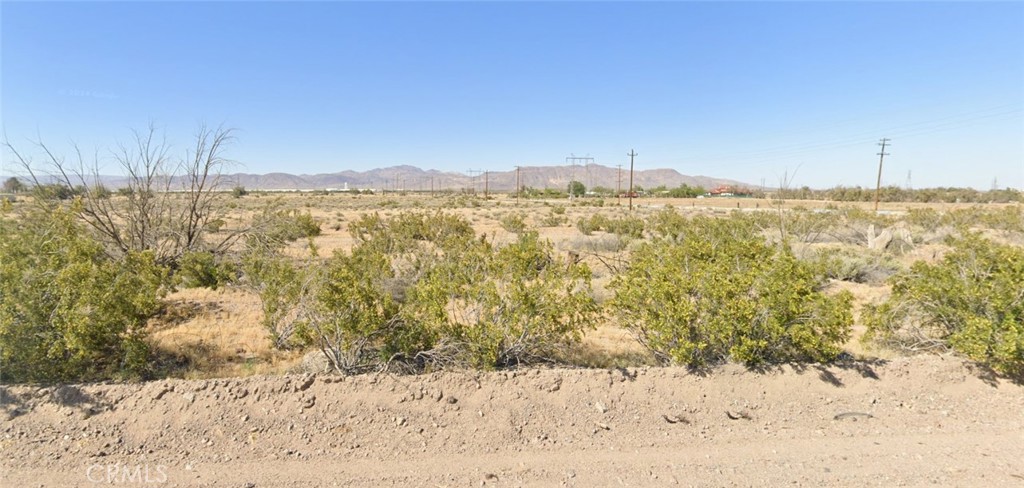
[(632, 154), (878, 183), (618, 188), (517, 185)]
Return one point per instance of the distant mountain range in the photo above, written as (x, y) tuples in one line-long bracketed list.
[(411, 178)]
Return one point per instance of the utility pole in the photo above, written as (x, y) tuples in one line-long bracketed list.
[(517, 185), (632, 154), (618, 188), (881, 157), (485, 184)]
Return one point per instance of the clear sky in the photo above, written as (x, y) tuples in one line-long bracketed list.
[(748, 91)]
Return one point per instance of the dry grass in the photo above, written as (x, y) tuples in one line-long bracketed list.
[(205, 333)]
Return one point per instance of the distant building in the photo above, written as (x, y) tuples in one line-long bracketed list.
[(726, 191)]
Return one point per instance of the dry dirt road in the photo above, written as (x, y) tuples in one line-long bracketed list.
[(913, 421)]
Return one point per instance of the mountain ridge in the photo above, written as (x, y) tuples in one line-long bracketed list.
[(412, 178)]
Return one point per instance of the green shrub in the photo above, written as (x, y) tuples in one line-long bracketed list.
[(717, 291), (275, 227), (925, 219), (625, 227), (553, 219), (971, 302), (204, 269), (856, 265), (576, 189), (404, 231), (1008, 219), (357, 323), (420, 291), (593, 224), (513, 222), (284, 286), (494, 308), (69, 312), (668, 223)]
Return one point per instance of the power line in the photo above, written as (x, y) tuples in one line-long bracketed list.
[(858, 138)]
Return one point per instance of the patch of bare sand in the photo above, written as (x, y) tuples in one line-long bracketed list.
[(908, 421)]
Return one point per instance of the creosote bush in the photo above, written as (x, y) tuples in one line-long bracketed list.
[(69, 311), (716, 291), (204, 269), (275, 226), (498, 307), (421, 291), (971, 301)]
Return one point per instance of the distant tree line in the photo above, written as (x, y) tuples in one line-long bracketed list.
[(897, 194)]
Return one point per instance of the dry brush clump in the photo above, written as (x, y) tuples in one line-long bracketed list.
[(972, 301)]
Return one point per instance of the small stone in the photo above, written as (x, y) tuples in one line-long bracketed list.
[(309, 401), (161, 392)]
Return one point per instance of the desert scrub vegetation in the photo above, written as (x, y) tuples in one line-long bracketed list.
[(627, 226), (972, 302), (421, 291), (68, 309), (716, 291), (513, 222)]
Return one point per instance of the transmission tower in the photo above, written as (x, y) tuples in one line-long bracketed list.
[(573, 160)]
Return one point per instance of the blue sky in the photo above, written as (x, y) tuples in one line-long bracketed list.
[(748, 91)]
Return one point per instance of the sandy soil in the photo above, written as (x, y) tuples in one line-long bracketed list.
[(909, 421)]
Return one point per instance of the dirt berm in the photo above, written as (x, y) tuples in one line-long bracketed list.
[(915, 421)]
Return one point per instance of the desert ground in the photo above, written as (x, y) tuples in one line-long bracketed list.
[(238, 413), (925, 420)]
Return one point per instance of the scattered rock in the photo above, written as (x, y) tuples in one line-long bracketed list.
[(308, 401), (675, 419), (306, 383), (738, 415), (163, 390), (556, 386), (852, 416)]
